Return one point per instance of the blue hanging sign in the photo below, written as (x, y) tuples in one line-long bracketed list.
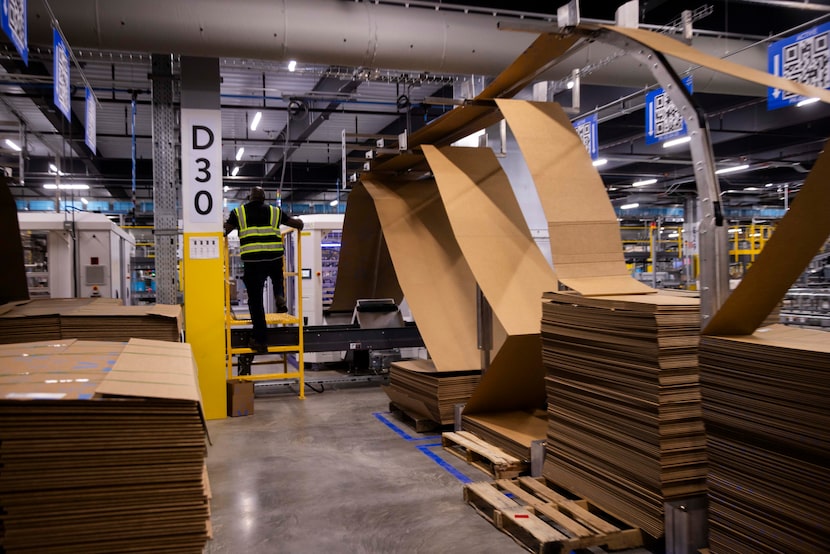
[(587, 129), (663, 119), (803, 58), (61, 76), (13, 20), (90, 131)]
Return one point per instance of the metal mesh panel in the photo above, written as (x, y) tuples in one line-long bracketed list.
[(165, 180)]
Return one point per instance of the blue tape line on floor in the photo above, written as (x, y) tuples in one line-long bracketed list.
[(425, 448), (400, 432)]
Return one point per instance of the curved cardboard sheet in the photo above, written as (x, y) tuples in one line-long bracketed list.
[(677, 49), (788, 252), (439, 286), (493, 235), (515, 380), (585, 242), (365, 269), (469, 118), (13, 284)]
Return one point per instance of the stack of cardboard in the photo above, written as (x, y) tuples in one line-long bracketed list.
[(625, 426), (767, 415), (88, 319), (102, 447), (415, 386)]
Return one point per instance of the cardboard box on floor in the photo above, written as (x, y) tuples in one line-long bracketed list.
[(240, 397)]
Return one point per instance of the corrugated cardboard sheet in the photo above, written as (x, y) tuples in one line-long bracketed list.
[(797, 238), (101, 473), (493, 235), (440, 288), (508, 266), (467, 119), (677, 49), (365, 269), (585, 242), (13, 285)]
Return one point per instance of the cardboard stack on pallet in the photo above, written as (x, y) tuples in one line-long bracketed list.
[(87, 319), (102, 447), (417, 388), (625, 426), (767, 415)]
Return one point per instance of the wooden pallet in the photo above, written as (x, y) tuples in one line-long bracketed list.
[(418, 422), (488, 458), (545, 521)]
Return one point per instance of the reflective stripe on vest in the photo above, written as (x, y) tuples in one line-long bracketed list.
[(259, 239)]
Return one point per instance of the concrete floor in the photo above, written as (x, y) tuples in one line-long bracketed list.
[(329, 474)]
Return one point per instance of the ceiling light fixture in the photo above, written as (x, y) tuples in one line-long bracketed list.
[(674, 235), (235, 170), (732, 169), (643, 183), (239, 153), (71, 186), (84, 201), (677, 142), (733, 231), (292, 65), (255, 122), (806, 102), (334, 202), (630, 206), (570, 85), (13, 145), (226, 188), (599, 161)]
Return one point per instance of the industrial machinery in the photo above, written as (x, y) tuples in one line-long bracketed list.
[(96, 249)]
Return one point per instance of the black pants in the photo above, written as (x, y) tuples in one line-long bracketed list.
[(254, 276)]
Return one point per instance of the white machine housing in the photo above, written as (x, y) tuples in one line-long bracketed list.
[(96, 256)]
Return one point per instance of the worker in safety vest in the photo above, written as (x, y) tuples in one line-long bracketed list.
[(261, 249)]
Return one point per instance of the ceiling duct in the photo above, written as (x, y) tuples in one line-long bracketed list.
[(356, 34)]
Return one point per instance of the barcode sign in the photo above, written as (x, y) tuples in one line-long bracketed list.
[(804, 58)]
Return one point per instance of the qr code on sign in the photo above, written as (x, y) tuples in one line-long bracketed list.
[(17, 19), (584, 132), (667, 118), (806, 61)]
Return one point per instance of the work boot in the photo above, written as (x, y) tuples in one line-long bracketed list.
[(256, 346), (281, 306)]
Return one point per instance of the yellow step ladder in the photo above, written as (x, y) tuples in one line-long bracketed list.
[(293, 268)]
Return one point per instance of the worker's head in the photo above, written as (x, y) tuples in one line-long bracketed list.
[(257, 194)]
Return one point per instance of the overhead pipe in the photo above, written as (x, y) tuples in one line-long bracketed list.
[(356, 34)]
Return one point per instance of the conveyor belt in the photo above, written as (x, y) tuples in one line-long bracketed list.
[(327, 338)]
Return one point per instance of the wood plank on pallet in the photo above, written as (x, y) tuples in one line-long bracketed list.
[(418, 422), (485, 456), (545, 521)]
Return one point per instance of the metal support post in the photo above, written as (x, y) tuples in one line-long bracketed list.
[(537, 457), (165, 180), (457, 409), (713, 247)]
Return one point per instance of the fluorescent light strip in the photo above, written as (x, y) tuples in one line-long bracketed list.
[(643, 183), (292, 65), (239, 153), (676, 142), (732, 169), (73, 186), (255, 122), (806, 102), (599, 161), (234, 171), (334, 202), (84, 201), (13, 145), (630, 206)]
